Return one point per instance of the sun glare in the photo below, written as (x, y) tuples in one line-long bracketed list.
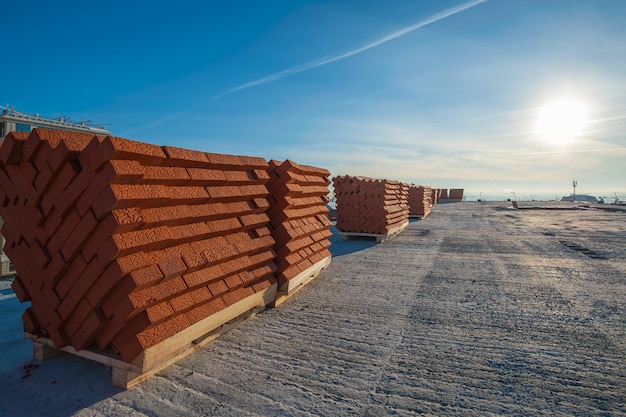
[(562, 121)]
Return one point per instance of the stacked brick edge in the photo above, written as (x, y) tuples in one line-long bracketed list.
[(298, 217)]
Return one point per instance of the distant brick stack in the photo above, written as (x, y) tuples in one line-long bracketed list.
[(456, 194), (419, 201), (434, 196), (443, 194), (299, 221), (370, 206), (123, 243)]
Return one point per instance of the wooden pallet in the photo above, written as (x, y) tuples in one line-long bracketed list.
[(155, 358), (418, 216), (379, 237), (299, 281)]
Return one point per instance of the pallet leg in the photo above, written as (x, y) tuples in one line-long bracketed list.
[(125, 378), (42, 352)]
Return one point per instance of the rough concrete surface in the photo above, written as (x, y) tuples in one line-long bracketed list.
[(473, 310)]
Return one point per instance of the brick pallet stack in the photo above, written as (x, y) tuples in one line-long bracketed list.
[(434, 196), (299, 221), (419, 201), (126, 244), (370, 206), (456, 194), (443, 194)]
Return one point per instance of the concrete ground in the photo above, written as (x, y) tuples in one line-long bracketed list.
[(474, 310)]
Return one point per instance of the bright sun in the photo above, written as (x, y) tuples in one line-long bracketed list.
[(562, 121)]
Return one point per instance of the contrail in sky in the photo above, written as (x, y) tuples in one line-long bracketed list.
[(327, 60)]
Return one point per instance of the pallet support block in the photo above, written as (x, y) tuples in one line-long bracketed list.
[(380, 237), (155, 358), (299, 281)]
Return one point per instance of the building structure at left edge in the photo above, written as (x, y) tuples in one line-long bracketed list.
[(12, 120)]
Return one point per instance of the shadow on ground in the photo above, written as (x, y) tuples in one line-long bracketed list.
[(344, 247), (59, 386)]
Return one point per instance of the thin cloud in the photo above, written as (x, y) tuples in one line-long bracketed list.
[(328, 60)]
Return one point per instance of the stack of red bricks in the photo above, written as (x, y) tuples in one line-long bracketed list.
[(443, 194), (370, 206), (456, 194), (123, 243), (299, 217), (419, 200), (434, 195)]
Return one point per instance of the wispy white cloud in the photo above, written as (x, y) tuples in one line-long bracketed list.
[(328, 60)]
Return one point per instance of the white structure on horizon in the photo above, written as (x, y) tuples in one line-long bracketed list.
[(15, 121)]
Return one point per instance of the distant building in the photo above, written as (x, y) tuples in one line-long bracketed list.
[(15, 121), (580, 197)]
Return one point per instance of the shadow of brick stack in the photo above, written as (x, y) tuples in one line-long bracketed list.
[(299, 221), (419, 201), (125, 244), (367, 206)]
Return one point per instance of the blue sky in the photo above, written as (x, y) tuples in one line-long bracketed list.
[(434, 92)]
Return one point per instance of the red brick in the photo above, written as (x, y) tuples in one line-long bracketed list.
[(234, 296), (63, 231), (8, 188), (187, 195), (165, 175), (185, 157), (121, 196), (142, 298), (113, 274), (233, 281), (31, 325), (25, 191), (67, 280), (69, 148), (80, 287), (81, 232), (86, 334), (43, 180), (20, 291), (56, 189), (134, 281), (11, 149), (206, 177), (191, 299), (224, 162), (112, 172), (202, 311), (145, 153), (102, 232), (218, 287), (153, 335), (78, 315)]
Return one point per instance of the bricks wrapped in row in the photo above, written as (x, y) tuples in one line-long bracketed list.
[(124, 244), (434, 195), (299, 218), (443, 194), (456, 194), (419, 200), (370, 206)]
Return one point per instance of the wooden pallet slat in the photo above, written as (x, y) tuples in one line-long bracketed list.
[(158, 357)]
